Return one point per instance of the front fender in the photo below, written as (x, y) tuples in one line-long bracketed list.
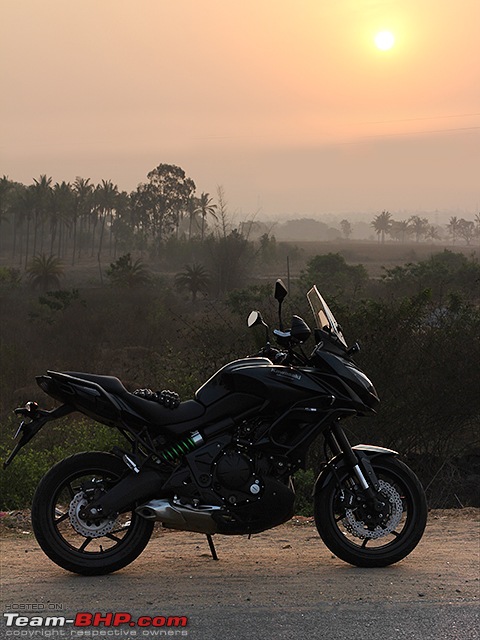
[(369, 451)]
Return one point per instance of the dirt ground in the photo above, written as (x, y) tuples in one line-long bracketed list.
[(445, 565), (285, 569)]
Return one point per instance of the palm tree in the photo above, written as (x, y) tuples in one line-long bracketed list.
[(432, 233), (83, 200), (23, 206), (42, 190), (60, 212), (399, 229), (44, 272), (5, 187), (126, 273), (382, 224), (192, 210), (105, 197), (418, 226), (205, 208), (123, 227), (453, 227), (195, 278)]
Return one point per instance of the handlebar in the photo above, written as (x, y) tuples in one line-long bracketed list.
[(280, 357)]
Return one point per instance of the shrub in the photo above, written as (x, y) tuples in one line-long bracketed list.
[(57, 441)]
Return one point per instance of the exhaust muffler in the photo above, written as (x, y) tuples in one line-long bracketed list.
[(178, 516)]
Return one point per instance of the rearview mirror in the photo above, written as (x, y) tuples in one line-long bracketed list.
[(254, 318), (281, 291), (280, 295)]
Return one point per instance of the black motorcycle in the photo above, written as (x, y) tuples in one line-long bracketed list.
[(223, 462)]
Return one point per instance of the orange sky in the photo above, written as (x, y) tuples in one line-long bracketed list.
[(286, 104)]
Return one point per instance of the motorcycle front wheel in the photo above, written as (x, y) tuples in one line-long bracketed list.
[(82, 546), (358, 534)]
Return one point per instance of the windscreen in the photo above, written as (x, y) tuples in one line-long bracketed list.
[(324, 318)]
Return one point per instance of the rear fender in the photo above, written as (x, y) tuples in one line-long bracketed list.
[(365, 452)]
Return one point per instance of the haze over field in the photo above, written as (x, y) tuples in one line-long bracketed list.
[(289, 105)]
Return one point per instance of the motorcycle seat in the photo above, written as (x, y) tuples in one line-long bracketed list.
[(164, 419), (111, 384)]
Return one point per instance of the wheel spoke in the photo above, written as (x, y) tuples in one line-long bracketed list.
[(365, 542), (120, 530), (61, 518), (112, 537), (85, 543)]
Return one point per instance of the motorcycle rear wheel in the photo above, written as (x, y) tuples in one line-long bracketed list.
[(88, 548), (356, 533)]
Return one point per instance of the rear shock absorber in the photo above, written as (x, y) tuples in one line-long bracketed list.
[(182, 447)]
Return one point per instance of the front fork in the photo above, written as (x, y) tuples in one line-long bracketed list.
[(358, 463)]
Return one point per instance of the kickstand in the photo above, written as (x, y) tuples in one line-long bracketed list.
[(212, 546)]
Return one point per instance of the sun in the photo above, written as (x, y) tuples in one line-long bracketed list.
[(384, 40)]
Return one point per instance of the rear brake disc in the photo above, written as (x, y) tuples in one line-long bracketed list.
[(88, 528)]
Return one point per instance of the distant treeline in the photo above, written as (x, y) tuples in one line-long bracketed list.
[(71, 220)]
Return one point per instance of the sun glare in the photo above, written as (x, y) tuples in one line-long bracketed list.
[(384, 40)]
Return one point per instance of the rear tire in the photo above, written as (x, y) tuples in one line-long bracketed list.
[(359, 535), (88, 548)]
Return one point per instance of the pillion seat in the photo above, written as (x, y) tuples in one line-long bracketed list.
[(159, 416)]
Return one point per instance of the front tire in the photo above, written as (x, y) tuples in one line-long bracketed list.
[(359, 535), (88, 548)]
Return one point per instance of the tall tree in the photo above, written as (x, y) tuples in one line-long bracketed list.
[(399, 229), (346, 228), (42, 190), (466, 230), (192, 211), (60, 214), (123, 228), (169, 191), (106, 195), (23, 205), (382, 223), (105, 198), (82, 190), (206, 208), (6, 187), (432, 233), (419, 227), (223, 216), (452, 228)]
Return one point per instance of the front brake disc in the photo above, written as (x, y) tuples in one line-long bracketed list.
[(362, 529)]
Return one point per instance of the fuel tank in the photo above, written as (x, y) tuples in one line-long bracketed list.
[(259, 378)]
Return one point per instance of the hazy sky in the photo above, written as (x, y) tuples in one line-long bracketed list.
[(287, 104)]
